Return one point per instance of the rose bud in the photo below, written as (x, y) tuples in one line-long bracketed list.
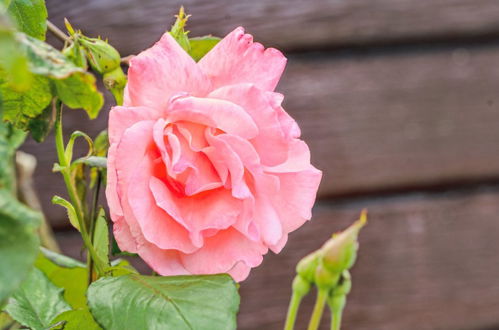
[(324, 279), (307, 265), (340, 252), (115, 82), (300, 286), (102, 56), (76, 54)]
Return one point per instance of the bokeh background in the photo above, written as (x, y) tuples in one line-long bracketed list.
[(399, 102)]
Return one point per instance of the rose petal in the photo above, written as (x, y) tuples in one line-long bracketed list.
[(271, 143), (224, 115), (222, 252), (237, 59), (161, 71)]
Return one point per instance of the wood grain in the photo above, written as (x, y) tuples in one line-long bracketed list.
[(427, 261), (287, 24), (375, 121)]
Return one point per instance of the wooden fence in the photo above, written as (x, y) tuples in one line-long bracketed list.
[(399, 103)]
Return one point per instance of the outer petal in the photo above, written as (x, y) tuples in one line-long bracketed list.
[(160, 72), (164, 262), (121, 118), (222, 252), (237, 59)]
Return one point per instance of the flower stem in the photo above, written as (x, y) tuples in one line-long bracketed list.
[(294, 305), (73, 195), (320, 301), (57, 32)]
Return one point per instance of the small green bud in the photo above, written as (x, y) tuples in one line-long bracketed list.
[(115, 82), (177, 31), (76, 55), (102, 56), (307, 265), (300, 286), (324, 279), (340, 252)]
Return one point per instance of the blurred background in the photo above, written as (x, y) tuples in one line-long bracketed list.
[(399, 103)]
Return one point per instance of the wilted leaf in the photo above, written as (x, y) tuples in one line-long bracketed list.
[(20, 107)]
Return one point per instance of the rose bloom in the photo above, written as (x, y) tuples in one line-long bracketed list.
[(206, 171)]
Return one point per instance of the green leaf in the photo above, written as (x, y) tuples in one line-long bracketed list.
[(153, 302), (73, 219), (120, 267), (37, 302), (75, 87), (20, 107), (12, 59), (41, 125), (18, 242), (77, 320), (93, 161), (60, 259), (65, 273), (45, 60), (79, 91), (10, 139), (200, 46), (30, 17), (101, 237)]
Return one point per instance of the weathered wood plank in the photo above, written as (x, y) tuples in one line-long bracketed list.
[(425, 262), (288, 24), (374, 120)]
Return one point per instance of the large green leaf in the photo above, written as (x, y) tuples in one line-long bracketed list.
[(201, 45), (18, 242), (30, 16), (72, 276), (153, 302), (37, 302)]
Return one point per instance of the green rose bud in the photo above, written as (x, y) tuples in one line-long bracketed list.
[(300, 286), (177, 31), (324, 279), (307, 265), (101, 56), (340, 252), (115, 82)]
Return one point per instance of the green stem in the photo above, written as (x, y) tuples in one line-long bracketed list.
[(66, 174), (337, 306), (320, 301), (93, 218), (294, 305)]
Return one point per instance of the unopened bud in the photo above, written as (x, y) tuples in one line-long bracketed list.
[(324, 279), (307, 265), (300, 286), (101, 56), (340, 252), (115, 82)]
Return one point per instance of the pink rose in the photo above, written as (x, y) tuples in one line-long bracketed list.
[(206, 170)]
